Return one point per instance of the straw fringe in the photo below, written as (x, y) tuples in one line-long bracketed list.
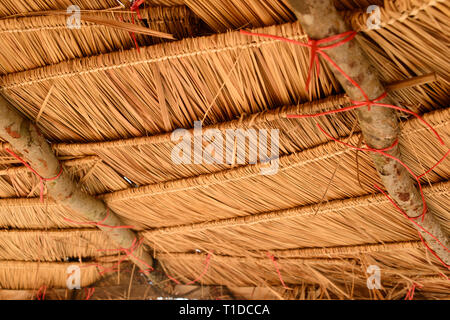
[(90, 40), (337, 223), (298, 159), (32, 275), (332, 277), (52, 245)]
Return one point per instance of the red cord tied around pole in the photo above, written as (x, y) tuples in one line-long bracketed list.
[(316, 49), (128, 252), (41, 179), (207, 261), (316, 46)]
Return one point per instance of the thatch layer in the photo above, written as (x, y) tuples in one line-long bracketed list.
[(232, 14), (298, 172), (365, 220), (34, 275), (53, 245), (157, 90), (46, 40), (340, 277), (412, 46), (8, 8)]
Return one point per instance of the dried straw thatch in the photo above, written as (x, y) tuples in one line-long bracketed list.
[(46, 40), (109, 111), (34, 275)]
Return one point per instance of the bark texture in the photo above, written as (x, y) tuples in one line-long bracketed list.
[(320, 19), (26, 140)]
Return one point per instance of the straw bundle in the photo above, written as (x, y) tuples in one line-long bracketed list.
[(232, 14), (336, 223), (412, 41), (157, 90), (9, 7), (46, 39), (339, 277), (148, 160), (301, 179), (33, 275), (53, 245)]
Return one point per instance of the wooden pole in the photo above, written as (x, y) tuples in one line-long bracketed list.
[(26, 140), (379, 126)]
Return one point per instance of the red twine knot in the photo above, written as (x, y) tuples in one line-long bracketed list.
[(41, 179), (317, 48)]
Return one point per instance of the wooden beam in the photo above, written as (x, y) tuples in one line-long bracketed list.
[(24, 138), (380, 128)]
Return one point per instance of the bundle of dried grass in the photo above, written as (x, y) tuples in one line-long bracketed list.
[(412, 41), (36, 41), (336, 223), (32, 214), (53, 245), (232, 14), (148, 160), (33, 275), (158, 90), (337, 278), (8, 8)]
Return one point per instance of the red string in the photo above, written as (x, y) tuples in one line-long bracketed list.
[(272, 257), (437, 163), (133, 36), (128, 252), (317, 47), (207, 261), (410, 293), (89, 292), (135, 7), (382, 151), (359, 104), (100, 223), (41, 179), (41, 295), (420, 227)]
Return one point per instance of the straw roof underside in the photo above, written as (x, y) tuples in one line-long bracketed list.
[(46, 40), (111, 110)]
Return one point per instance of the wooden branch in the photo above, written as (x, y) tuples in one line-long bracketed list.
[(320, 19), (25, 139)]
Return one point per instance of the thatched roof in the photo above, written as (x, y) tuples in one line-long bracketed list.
[(109, 110)]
